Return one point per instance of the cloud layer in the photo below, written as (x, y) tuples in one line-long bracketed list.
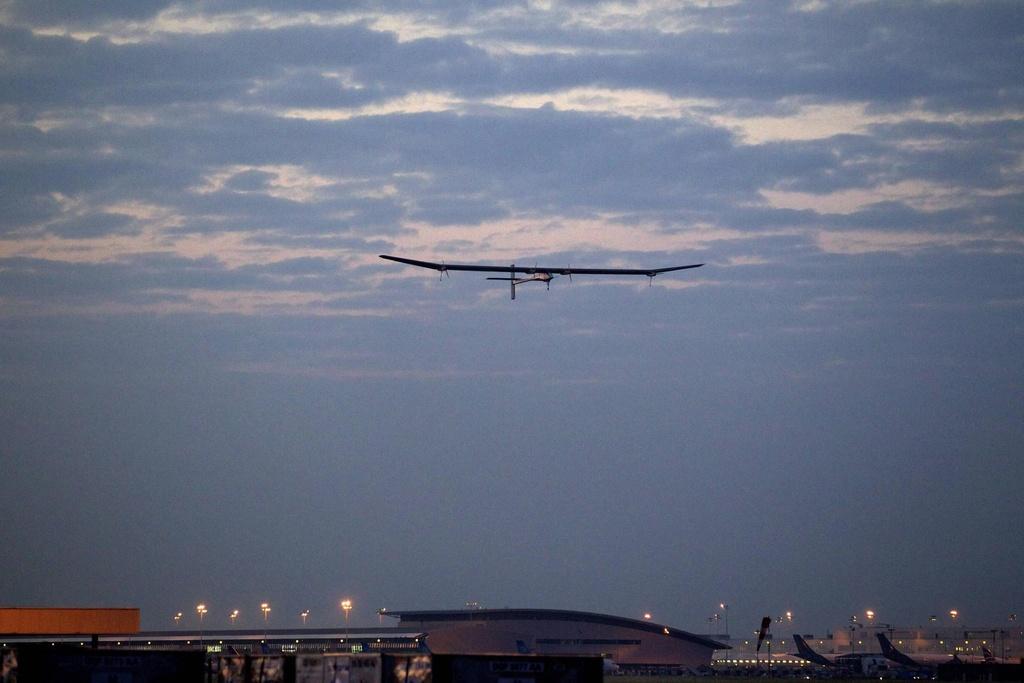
[(193, 196)]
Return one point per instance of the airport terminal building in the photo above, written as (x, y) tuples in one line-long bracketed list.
[(630, 643)]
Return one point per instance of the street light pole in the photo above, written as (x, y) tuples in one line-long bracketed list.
[(346, 607), (725, 609), (201, 610), (265, 608)]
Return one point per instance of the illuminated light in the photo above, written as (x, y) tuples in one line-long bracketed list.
[(647, 615), (665, 630)]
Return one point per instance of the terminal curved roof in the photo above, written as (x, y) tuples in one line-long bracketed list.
[(552, 615)]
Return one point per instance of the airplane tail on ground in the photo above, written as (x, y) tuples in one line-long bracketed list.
[(893, 654), (804, 651), (765, 623), (989, 657)]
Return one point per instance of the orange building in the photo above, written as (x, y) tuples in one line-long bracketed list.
[(68, 620)]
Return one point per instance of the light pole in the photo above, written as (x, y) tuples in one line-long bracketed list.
[(265, 608), (1012, 618), (346, 607), (233, 616), (177, 618), (201, 611), (304, 614), (953, 614), (725, 609)]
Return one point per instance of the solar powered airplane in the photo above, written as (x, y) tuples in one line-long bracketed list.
[(535, 273)]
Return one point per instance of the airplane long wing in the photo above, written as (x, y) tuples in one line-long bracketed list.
[(560, 270)]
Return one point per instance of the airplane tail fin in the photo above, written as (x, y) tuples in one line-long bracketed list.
[(890, 652), (887, 648), (805, 652), (765, 623), (989, 657)]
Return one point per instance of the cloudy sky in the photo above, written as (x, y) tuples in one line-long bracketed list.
[(212, 389)]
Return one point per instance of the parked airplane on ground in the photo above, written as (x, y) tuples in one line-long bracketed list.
[(861, 663), (918, 661), (535, 273), (930, 661), (992, 659)]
